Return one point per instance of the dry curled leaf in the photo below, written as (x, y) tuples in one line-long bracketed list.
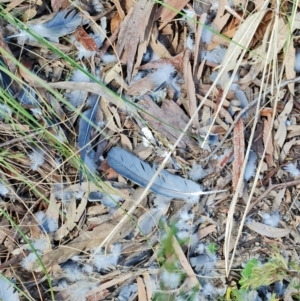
[(239, 151)]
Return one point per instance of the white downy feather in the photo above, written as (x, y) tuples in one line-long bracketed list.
[(26, 262), (251, 166), (271, 219), (77, 291), (5, 111), (3, 189), (150, 219), (292, 169), (103, 261), (162, 74), (207, 34), (148, 135), (190, 43), (209, 291), (205, 261), (216, 55), (46, 223), (297, 61), (170, 279), (109, 58), (72, 271), (7, 291), (61, 194), (41, 244), (37, 158), (197, 172)]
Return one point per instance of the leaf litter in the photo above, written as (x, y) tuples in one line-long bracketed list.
[(148, 149)]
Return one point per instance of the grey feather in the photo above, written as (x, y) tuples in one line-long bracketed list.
[(63, 23), (251, 166), (140, 172), (85, 126)]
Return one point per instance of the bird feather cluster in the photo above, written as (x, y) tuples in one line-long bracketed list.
[(141, 173)]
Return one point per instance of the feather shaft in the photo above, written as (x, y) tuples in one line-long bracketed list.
[(140, 172)]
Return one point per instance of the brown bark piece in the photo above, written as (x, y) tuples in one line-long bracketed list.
[(239, 150), (190, 88), (172, 116), (135, 29), (166, 14)]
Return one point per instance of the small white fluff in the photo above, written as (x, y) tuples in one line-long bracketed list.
[(79, 77), (7, 291), (3, 189), (215, 56), (72, 270), (292, 169), (111, 201), (170, 279), (208, 290), (5, 111), (82, 52), (162, 74), (78, 290), (79, 194), (87, 268), (41, 244), (207, 34), (184, 225), (62, 195), (37, 158), (197, 172), (100, 35), (103, 261), (46, 223), (189, 13), (251, 166), (26, 262), (297, 61), (190, 43), (109, 58), (201, 249), (185, 216), (241, 97), (271, 219), (98, 6), (148, 135)]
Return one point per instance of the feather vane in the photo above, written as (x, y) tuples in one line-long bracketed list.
[(85, 126), (140, 172)]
